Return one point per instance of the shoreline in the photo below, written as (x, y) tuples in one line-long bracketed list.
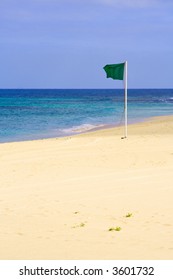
[(65, 198), (97, 128)]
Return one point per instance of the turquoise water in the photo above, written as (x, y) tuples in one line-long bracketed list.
[(42, 113)]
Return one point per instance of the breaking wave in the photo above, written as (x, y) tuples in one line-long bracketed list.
[(80, 128)]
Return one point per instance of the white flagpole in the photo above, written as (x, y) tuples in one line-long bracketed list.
[(125, 100)]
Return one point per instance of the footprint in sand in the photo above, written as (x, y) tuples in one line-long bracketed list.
[(20, 233)]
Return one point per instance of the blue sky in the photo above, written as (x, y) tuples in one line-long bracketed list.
[(66, 43)]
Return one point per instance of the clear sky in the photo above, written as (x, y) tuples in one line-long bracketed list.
[(66, 43)]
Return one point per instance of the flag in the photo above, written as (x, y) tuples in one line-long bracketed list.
[(115, 71)]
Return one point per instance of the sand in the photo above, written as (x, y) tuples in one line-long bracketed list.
[(59, 197)]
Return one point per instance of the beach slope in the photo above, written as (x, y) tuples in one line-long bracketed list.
[(90, 196)]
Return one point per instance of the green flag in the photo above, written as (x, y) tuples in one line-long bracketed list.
[(115, 71)]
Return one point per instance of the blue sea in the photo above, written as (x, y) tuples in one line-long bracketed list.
[(28, 114)]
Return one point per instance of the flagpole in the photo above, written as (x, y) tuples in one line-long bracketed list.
[(125, 100), (119, 72)]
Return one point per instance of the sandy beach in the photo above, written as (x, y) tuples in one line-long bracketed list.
[(89, 196)]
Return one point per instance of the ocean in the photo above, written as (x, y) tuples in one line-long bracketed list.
[(29, 114)]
